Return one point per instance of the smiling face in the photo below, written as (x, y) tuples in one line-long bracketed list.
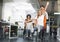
[(28, 17), (42, 8)]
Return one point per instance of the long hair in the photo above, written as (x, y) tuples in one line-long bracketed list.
[(39, 12)]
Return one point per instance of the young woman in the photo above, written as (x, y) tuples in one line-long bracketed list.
[(28, 25), (41, 20)]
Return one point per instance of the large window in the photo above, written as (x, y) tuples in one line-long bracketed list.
[(17, 11)]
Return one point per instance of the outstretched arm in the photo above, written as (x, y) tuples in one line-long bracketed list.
[(47, 5)]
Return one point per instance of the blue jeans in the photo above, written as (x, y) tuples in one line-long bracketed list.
[(35, 29), (1, 31), (28, 32)]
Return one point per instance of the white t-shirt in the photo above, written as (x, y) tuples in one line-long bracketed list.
[(46, 14), (40, 19), (29, 26)]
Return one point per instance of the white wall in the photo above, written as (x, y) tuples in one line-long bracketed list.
[(1, 9)]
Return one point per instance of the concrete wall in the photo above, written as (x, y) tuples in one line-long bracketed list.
[(1, 9), (58, 5)]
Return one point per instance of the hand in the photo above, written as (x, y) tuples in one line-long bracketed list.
[(47, 2), (47, 5)]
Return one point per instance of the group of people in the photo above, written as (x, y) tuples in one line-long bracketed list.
[(39, 23)]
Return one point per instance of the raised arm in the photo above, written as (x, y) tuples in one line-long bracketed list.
[(46, 5)]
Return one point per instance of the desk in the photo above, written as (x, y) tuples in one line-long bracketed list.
[(12, 29)]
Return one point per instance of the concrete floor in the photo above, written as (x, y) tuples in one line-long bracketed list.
[(47, 37), (20, 39)]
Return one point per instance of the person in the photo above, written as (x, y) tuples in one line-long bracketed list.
[(41, 20), (1, 30), (28, 26)]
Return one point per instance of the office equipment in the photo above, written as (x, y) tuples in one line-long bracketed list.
[(13, 31)]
